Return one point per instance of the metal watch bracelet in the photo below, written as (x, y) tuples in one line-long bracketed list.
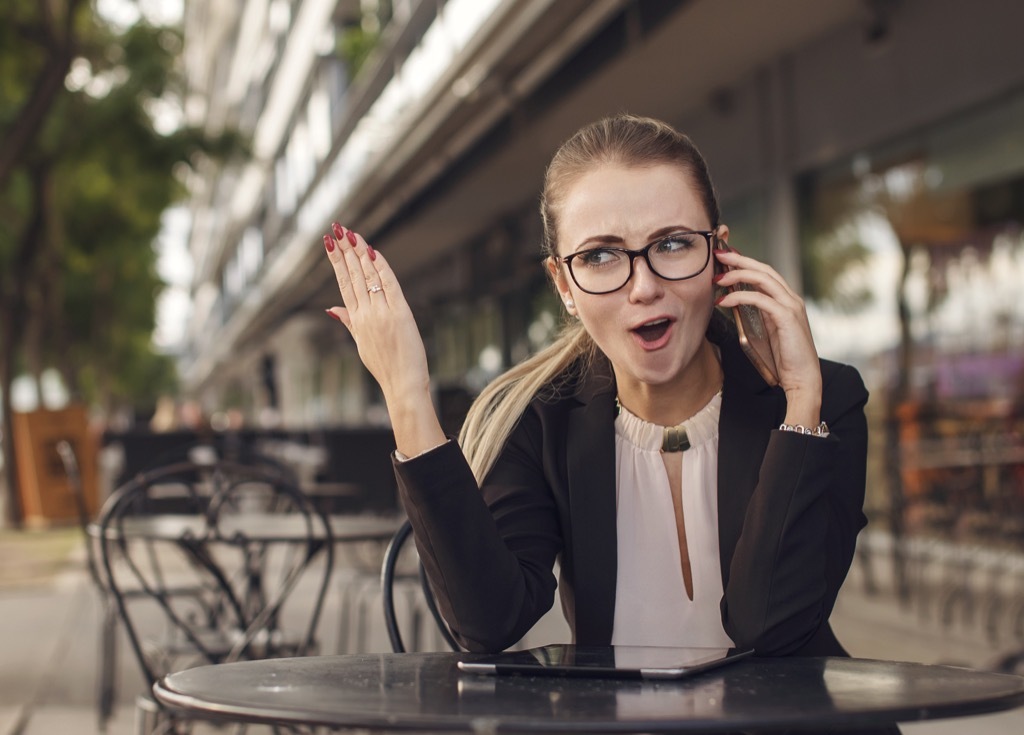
[(820, 430)]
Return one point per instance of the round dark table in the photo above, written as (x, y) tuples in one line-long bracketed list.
[(426, 691)]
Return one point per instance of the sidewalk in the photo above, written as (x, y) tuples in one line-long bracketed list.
[(877, 626), (48, 648)]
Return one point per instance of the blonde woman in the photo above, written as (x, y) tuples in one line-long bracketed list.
[(688, 502)]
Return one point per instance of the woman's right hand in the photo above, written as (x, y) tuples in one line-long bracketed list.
[(381, 323)]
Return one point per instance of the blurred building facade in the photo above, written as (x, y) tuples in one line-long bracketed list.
[(871, 150)]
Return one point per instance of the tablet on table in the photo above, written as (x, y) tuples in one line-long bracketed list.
[(645, 662)]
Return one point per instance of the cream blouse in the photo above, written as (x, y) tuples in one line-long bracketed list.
[(651, 604)]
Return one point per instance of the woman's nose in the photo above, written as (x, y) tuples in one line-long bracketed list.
[(644, 284)]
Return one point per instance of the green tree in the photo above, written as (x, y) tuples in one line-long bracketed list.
[(84, 180)]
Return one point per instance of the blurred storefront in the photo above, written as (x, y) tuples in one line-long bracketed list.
[(871, 151), (937, 215)]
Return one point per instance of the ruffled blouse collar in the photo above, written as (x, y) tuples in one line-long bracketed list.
[(701, 427)]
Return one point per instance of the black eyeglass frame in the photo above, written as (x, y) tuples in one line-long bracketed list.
[(644, 253)]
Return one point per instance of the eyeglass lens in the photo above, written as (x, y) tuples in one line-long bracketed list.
[(603, 270)]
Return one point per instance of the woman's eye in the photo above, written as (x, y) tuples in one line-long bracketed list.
[(678, 243), (597, 257)]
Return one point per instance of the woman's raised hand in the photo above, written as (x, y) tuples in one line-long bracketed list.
[(381, 323), (785, 317)]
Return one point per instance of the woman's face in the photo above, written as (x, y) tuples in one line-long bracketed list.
[(651, 329)]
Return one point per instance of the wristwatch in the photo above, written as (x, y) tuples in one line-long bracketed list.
[(820, 430)]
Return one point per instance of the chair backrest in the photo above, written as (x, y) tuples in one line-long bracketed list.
[(70, 461), (233, 560), (388, 578), (142, 451)]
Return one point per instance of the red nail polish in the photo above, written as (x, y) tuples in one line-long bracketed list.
[(339, 231), (371, 251), (717, 277), (718, 301), (329, 243), (351, 237), (332, 315)]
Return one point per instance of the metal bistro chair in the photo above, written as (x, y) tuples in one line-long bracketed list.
[(105, 684), (244, 539), (389, 578)]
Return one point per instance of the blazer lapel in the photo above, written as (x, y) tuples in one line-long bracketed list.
[(592, 508), (750, 408)]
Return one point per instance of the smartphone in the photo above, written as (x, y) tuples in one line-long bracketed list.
[(752, 333)]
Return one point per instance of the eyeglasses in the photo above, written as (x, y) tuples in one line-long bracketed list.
[(679, 256)]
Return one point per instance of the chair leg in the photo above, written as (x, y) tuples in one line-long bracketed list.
[(347, 599), (417, 628), (352, 613), (152, 719), (108, 665), (361, 621), (149, 718), (415, 618)]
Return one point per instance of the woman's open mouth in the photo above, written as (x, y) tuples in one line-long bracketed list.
[(653, 334)]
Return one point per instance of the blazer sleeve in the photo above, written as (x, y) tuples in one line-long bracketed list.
[(488, 551), (800, 529)]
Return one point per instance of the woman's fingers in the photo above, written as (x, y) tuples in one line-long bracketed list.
[(335, 248), (755, 273), (762, 289), (759, 285), (777, 310), (392, 290), (756, 284), (360, 271), (352, 259), (382, 287), (363, 259), (340, 313), (359, 281)]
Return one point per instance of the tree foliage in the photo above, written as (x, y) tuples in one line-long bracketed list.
[(84, 180)]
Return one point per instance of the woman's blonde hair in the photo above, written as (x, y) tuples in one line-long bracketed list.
[(620, 140)]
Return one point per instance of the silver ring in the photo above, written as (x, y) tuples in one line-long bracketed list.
[(375, 288)]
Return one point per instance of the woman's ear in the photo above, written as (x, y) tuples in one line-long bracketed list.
[(561, 283), (721, 240), (722, 233)]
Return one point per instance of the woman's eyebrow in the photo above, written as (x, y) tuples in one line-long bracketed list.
[(600, 240), (671, 230), (617, 240)]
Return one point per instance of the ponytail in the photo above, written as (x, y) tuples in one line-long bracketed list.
[(495, 413)]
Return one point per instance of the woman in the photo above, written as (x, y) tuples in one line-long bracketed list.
[(740, 535)]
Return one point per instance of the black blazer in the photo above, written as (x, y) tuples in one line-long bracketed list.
[(789, 510)]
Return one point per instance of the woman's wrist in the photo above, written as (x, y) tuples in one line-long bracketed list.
[(803, 410), (415, 423)]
